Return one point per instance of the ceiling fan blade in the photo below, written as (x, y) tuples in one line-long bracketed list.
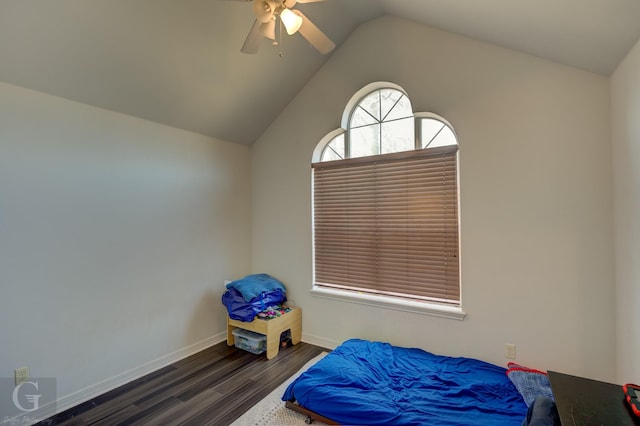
[(317, 38), (291, 3), (252, 42)]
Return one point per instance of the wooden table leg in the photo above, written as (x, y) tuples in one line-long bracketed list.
[(296, 327), (230, 337), (273, 345)]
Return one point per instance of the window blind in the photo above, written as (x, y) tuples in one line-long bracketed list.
[(388, 225)]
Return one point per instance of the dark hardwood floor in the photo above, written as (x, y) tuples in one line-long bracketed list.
[(212, 387)]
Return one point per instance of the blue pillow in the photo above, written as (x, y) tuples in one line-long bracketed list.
[(530, 383)]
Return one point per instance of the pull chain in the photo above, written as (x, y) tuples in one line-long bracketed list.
[(279, 37)]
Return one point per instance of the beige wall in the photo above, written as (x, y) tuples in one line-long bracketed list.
[(115, 237), (536, 205), (625, 107)]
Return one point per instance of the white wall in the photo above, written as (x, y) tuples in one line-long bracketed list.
[(536, 204), (115, 237), (625, 109)]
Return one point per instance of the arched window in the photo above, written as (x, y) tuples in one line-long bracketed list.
[(385, 203)]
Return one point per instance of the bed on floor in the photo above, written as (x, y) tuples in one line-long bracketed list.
[(374, 383)]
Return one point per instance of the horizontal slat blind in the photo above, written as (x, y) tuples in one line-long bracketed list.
[(389, 225)]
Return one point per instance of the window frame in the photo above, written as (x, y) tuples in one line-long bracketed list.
[(390, 302)]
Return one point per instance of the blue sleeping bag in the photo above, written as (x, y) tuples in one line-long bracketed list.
[(373, 383)]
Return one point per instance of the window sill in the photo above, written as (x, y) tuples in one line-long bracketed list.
[(424, 308)]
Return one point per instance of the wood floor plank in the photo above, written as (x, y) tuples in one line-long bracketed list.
[(193, 382), (213, 387)]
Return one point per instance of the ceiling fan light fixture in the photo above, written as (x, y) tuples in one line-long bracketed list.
[(291, 21), (264, 10)]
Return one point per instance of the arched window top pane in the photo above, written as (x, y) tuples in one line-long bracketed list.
[(362, 117), (379, 119), (397, 136), (371, 105), (364, 141), (400, 109), (335, 149), (380, 106), (436, 133)]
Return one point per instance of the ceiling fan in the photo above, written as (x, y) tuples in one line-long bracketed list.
[(268, 12)]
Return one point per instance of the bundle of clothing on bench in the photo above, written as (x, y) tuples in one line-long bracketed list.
[(253, 295)]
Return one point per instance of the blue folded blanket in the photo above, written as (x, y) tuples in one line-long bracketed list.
[(252, 286)]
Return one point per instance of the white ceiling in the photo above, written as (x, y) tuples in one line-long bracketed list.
[(178, 62)]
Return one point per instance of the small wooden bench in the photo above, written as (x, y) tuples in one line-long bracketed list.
[(272, 328)]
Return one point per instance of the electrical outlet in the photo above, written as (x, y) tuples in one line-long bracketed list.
[(510, 350), (22, 375)]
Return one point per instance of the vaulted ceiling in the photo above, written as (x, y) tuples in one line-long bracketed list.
[(178, 62)]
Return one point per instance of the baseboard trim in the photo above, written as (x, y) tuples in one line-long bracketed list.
[(93, 391), (320, 341)]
